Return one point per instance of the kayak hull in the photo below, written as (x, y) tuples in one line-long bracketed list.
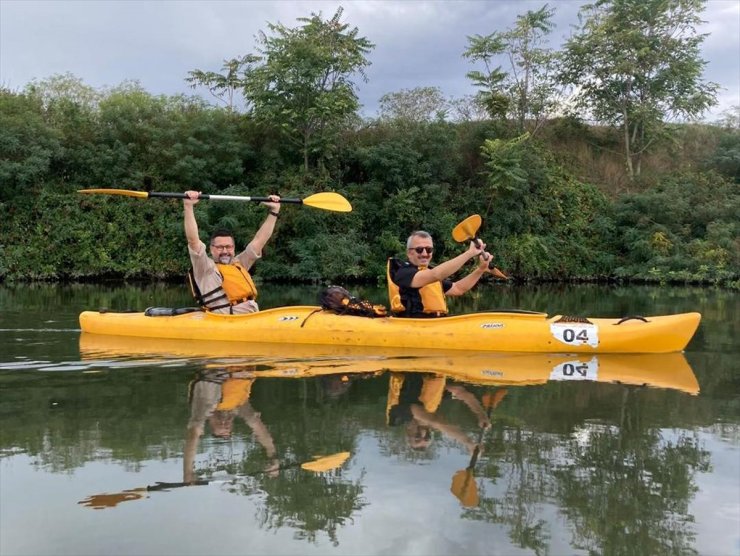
[(494, 331)]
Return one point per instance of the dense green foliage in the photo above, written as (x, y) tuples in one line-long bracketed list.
[(541, 220), (685, 227)]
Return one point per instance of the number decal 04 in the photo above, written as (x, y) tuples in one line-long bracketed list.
[(576, 370), (576, 333)]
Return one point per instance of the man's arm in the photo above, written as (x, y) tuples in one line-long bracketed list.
[(191, 226), (465, 284), (447, 268), (268, 226)]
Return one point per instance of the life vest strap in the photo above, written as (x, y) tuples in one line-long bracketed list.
[(216, 294)]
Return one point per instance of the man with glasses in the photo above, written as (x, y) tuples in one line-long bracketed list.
[(222, 283), (418, 291)]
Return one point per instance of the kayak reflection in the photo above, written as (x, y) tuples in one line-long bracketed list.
[(669, 370)]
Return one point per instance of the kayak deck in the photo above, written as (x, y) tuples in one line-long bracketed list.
[(492, 331)]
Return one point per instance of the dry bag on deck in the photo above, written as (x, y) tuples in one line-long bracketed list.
[(340, 301)]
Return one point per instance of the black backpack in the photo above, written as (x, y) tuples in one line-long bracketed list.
[(340, 301)]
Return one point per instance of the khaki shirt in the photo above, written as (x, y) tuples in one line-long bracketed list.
[(209, 278)]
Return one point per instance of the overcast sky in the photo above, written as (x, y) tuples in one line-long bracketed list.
[(418, 42)]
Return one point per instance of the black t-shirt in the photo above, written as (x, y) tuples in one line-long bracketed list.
[(410, 297), (400, 413)]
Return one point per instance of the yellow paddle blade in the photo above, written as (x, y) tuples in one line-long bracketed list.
[(328, 201), (498, 274), (467, 229), (102, 501), (465, 488), (126, 192), (326, 463)]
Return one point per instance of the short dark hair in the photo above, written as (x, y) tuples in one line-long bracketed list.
[(221, 232)]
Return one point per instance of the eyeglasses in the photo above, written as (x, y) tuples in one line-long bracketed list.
[(222, 247), (420, 250)]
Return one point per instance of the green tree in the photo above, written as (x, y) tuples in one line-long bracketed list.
[(635, 64), (531, 82), (685, 228), (224, 86), (64, 87), (527, 92), (490, 83), (303, 85), (546, 223), (420, 104), (72, 108)]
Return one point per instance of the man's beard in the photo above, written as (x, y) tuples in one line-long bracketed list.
[(224, 259)]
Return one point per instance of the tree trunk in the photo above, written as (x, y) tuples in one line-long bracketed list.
[(627, 153)]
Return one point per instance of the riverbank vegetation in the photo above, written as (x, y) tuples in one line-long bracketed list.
[(561, 198)]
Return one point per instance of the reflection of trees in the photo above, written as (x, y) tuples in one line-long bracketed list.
[(618, 478), (316, 422), (63, 421), (518, 462), (625, 485), (304, 421), (309, 503)]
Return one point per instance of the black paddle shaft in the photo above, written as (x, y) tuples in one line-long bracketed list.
[(205, 196)]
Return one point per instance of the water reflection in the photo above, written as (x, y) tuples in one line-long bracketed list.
[(255, 413), (413, 400), (669, 370), (220, 394)]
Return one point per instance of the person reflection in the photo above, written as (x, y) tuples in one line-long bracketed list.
[(413, 399), (218, 396)]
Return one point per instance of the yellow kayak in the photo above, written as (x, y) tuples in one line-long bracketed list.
[(494, 331), (669, 370)]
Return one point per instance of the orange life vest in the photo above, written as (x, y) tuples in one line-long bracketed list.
[(432, 295), (237, 287)]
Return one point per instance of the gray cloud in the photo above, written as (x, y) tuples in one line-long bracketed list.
[(418, 43)]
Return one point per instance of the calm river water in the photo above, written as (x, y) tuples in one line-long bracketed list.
[(636, 456)]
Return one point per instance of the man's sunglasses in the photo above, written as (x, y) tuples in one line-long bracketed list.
[(420, 250)]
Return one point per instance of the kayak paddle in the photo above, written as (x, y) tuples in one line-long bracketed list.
[(317, 465), (467, 230), (326, 201), (102, 501), (463, 485)]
